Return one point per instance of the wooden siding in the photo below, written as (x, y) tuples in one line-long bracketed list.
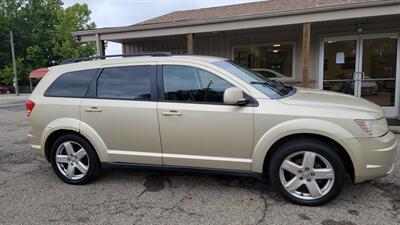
[(221, 44), (172, 44)]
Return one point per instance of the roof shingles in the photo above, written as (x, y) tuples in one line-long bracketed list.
[(245, 9)]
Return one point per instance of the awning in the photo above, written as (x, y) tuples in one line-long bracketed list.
[(39, 73)]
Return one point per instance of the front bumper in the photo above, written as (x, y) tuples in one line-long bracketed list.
[(372, 157)]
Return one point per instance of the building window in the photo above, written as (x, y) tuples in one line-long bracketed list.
[(270, 60)]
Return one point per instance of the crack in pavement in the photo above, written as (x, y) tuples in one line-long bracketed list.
[(334, 222), (391, 191), (265, 207)]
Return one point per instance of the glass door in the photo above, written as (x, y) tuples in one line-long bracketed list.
[(340, 65), (364, 66), (378, 66)]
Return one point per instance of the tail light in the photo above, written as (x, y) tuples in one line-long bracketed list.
[(29, 107)]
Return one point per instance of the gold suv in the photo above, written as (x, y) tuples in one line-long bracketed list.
[(208, 114)]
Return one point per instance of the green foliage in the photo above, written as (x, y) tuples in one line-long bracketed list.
[(72, 19), (42, 35), (7, 73)]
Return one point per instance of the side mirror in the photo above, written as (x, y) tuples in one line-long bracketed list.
[(234, 96)]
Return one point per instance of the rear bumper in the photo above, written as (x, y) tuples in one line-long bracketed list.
[(373, 157), (34, 143)]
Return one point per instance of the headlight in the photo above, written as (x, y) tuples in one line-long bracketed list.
[(375, 128)]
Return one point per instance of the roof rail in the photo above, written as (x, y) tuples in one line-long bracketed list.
[(68, 61)]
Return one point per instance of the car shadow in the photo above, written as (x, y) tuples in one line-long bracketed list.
[(158, 180)]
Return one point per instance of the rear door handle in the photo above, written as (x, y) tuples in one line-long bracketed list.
[(93, 109), (172, 113)]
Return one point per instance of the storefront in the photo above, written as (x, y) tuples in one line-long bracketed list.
[(364, 66)]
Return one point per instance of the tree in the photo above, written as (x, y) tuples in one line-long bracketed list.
[(42, 35), (76, 17), (9, 16)]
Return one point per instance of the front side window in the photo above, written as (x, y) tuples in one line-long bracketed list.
[(191, 84), (71, 84), (129, 83), (271, 61)]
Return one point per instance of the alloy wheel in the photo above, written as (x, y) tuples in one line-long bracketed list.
[(307, 175), (72, 160)]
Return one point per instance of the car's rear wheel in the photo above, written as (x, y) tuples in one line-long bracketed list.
[(74, 160), (307, 172)]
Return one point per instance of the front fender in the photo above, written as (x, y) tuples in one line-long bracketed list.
[(297, 126)]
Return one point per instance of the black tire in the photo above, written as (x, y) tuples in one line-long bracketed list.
[(312, 145), (92, 158)]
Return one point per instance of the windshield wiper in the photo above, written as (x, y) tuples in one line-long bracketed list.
[(261, 82), (270, 82)]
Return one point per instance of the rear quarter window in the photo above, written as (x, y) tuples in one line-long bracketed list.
[(71, 84)]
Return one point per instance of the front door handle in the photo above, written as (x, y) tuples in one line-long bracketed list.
[(93, 109), (172, 113)]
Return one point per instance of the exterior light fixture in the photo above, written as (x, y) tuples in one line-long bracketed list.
[(276, 45), (360, 28)]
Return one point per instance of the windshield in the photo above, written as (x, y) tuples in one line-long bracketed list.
[(271, 88)]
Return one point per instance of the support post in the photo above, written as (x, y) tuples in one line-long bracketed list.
[(306, 54), (103, 47), (189, 38), (30, 84), (15, 80), (99, 46)]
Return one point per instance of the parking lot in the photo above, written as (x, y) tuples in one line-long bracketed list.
[(30, 193)]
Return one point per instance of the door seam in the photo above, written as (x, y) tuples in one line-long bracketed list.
[(158, 71)]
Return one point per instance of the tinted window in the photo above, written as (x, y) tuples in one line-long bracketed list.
[(190, 84), (72, 84), (132, 82)]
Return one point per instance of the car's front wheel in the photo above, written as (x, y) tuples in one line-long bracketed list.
[(307, 172), (74, 160)]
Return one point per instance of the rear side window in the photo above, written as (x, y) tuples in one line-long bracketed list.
[(71, 84), (130, 83)]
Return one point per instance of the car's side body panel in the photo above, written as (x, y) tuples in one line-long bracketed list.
[(202, 136), (129, 129)]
